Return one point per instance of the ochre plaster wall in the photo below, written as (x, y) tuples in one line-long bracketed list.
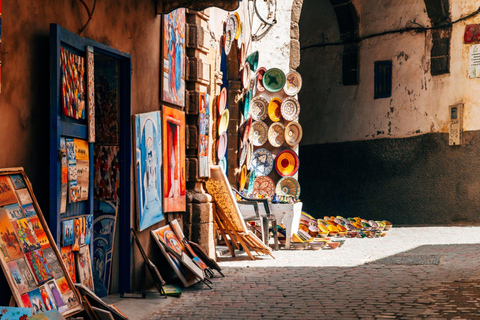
[(129, 26)]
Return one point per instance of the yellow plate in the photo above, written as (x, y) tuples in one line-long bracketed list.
[(223, 122)]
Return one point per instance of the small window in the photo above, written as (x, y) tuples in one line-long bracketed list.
[(383, 79)]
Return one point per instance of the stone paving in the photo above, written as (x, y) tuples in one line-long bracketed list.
[(356, 281)]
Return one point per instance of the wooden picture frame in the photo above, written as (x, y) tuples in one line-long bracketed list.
[(69, 293)]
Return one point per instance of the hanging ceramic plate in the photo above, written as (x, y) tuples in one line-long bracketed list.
[(243, 156), (223, 122), (260, 72), (253, 85), (222, 101), (262, 162), (223, 164), (276, 134), (274, 112), (242, 179), (293, 83), (246, 75), (274, 80), (290, 109), (287, 163), (251, 181), (239, 26), (252, 59), (230, 32), (244, 131), (258, 133), (222, 144), (293, 133), (248, 158), (246, 104), (288, 186), (259, 108), (241, 54), (264, 186)]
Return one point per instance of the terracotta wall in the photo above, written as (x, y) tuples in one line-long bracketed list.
[(129, 26)]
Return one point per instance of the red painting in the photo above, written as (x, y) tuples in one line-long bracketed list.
[(174, 186), (10, 248), (7, 195)]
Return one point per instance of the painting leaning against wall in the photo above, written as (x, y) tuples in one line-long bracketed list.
[(173, 85)]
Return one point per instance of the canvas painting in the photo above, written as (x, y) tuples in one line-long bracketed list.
[(36, 301), (69, 261), (103, 237), (29, 210), (70, 298), (55, 296), (167, 236), (107, 102), (26, 301), (88, 228), (9, 245), (77, 231), (53, 263), (83, 168), (49, 315), (67, 233), (107, 173), (148, 163), (64, 172), (82, 231), (39, 232), (173, 86), (203, 136), (90, 94), (24, 196), (26, 274), (14, 212), (72, 68), (17, 276), (46, 299), (174, 186), (38, 265), (7, 195), (63, 285), (84, 267), (14, 313), (18, 181), (26, 235), (186, 246)]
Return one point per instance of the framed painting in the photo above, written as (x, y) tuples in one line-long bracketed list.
[(174, 186), (148, 164), (173, 54)]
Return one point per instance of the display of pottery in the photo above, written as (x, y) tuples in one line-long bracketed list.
[(222, 101), (258, 133), (260, 72), (222, 144), (246, 75), (287, 163), (243, 177), (262, 162), (274, 109), (290, 109), (293, 83), (223, 122), (252, 59), (230, 33), (244, 131), (288, 186), (276, 134), (293, 133), (264, 187), (259, 108), (246, 104), (274, 80)]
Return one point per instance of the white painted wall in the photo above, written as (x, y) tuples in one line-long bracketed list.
[(419, 104)]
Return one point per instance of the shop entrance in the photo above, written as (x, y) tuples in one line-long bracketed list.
[(101, 177)]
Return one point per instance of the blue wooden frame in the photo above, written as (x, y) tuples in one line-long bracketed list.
[(60, 37)]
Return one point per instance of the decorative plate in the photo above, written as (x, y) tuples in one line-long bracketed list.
[(276, 134), (243, 156), (293, 133), (248, 158), (223, 164), (222, 101), (274, 112), (222, 144), (244, 131), (288, 186), (246, 75), (287, 163), (239, 26), (264, 186), (223, 122), (253, 85), (260, 72), (259, 108), (290, 109), (241, 54), (262, 162), (259, 133), (246, 104), (242, 178), (274, 80), (252, 59), (230, 32), (251, 181), (293, 83)]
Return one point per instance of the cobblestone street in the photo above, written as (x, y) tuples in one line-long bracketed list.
[(430, 272)]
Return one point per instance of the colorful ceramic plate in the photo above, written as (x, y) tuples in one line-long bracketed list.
[(274, 80), (290, 109), (287, 163), (262, 162), (222, 144), (293, 83), (243, 156), (264, 186), (230, 32), (246, 104), (222, 101), (274, 112), (259, 133), (259, 108), (241, 55), (248, 158), (223, 164), (242, 178), (293, 133), (260, 72), (246, 75), (253, 85), (252, 59), (244, 131), (288, 186), (223, 122), (276, 134), (251, 180), (239, 26)]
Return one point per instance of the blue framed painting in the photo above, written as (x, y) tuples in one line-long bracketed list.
[(148, 167)]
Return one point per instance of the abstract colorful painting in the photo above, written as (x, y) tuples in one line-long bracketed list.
[(90, 94), (148, 164), (63, 285), (174, 186), (26, 235), (103, 236), (84, 267), (7, 195), (107, 173), (72, 69), (173, 86), (39, 266), (14, 313), (167, 236), (9, 245), (69, 260)]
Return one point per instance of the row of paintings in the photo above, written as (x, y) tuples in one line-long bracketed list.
[(30, 262), (159, 144), (77, 232)]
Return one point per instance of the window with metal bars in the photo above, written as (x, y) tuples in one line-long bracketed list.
[(383, 79)]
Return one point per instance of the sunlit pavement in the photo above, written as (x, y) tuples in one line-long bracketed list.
[(430, 272)]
